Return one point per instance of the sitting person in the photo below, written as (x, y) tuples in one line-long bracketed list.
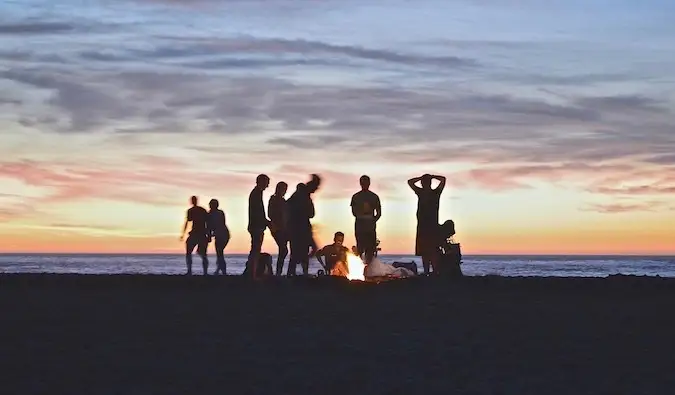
[(333, 253)]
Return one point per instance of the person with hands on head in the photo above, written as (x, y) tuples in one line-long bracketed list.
[(428, 204)]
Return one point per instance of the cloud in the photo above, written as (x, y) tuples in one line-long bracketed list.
[(38, 27), (619, 208), (155, 180)]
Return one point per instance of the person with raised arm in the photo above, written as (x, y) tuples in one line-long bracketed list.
[(428, 204), (198, 236)]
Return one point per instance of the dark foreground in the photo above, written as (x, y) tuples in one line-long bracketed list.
[(163, 334)]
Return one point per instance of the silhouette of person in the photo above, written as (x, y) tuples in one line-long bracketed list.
[(278, 213), (367, 210), (300, 210), (334, 253), (220, 233), (257, 221), (428, 203), (198, 236)]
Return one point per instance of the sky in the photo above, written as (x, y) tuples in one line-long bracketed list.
[(553, 121)]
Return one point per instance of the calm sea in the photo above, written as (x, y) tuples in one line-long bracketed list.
[(568, 266)]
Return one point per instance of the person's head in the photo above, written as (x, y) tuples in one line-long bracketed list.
[(355, 251), (301, 187), (365, 182), (213, 204), (339, 238), (426, 181), (281, 189), (262, 181), (194, 200), (314, 183)]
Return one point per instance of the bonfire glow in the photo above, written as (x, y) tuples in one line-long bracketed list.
[(355, 267)]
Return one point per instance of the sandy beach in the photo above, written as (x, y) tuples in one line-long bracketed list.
[(81, 334)]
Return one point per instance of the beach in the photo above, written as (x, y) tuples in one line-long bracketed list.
[(145, 334)]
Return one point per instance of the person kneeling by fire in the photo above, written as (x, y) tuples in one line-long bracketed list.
[(335, 255)]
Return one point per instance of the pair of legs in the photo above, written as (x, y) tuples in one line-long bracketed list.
[(201, 242), (425, 245), (257, 237), (300, 245), (220, 244), (281, 238), (366, 244)]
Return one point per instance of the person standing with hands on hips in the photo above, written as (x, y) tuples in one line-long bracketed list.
[(367, 211)]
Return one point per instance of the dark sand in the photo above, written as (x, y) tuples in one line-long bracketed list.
[(165, 334)]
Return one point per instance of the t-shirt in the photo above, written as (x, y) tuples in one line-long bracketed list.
[(364, 204), (217, 223), (278, 212), (333, 253), (198, 216), (257, 221)]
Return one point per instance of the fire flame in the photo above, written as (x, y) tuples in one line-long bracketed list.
[(355, 267)]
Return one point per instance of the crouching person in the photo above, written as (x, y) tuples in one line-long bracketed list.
[(335, 254), (449, 259), (264, 268)]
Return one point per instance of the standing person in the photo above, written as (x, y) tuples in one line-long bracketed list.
[(198, 236), (278, 212), (221, 234), (257, 221), (301, 211), (367, 211), (428, 203)]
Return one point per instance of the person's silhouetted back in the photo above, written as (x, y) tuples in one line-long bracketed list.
[(367, 211), (278, 213), (428, 202), (257, 221), (220, 233), (300, 210), (198, 236)]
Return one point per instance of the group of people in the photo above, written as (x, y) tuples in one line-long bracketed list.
[(289, 222)]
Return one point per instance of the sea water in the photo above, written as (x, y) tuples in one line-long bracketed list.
[(473, 265)]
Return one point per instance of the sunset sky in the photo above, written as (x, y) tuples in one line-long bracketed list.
[(554, 121)]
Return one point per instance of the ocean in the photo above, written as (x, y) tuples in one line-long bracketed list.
[(473, 265)]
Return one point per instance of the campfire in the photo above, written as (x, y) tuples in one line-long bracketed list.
[(353, 269)]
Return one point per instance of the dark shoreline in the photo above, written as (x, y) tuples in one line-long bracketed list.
[(158, 334)]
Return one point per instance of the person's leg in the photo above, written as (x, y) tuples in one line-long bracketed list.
[(359, 243), (190, 245), (202, 246), (426, 263), (254, 255), (282, 242), (369, 240), (293, 260), (220, 255)]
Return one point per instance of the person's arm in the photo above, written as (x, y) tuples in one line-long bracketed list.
[(413, 181), (378, 208), (185, 225), (318, 255), (442, 180), (273, 213), (353, 205), (311, 212)]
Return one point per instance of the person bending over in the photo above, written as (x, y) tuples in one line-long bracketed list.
[(367, 211), (198, 236)]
